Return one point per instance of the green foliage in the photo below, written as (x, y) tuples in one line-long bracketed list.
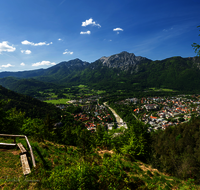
[(78, 176), (73, 109), (115, 126), (196, 47), (85, 175), (11, 120), (176, 150), (26, 86), (84, 142), (174, 73), (61, 167), (135, 146), (178, 137), (30, 106)]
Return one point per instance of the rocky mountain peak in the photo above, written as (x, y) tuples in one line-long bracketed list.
[(123, 60)]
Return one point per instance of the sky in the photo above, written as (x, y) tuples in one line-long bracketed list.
[(38, 34)]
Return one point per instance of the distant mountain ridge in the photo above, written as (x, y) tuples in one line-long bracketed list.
[(22, 74), (64, 67), (123, 71)]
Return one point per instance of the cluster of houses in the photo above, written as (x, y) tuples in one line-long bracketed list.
[(163, 112), (94, 115), (158, 112)]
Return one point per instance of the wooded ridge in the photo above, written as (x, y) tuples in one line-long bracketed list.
[(123, 71)]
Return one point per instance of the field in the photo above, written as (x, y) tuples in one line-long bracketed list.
[(64, 95), (59, 101), (162, 89)]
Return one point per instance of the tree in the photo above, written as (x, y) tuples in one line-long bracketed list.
[(84, 142), (196, 47), (115, 126), (11, 120)]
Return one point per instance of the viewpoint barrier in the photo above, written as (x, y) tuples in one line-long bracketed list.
[(21, 136)]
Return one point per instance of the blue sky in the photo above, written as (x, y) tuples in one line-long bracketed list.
[(40, 33)]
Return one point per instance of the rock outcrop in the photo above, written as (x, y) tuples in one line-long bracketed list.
[(123, 61)]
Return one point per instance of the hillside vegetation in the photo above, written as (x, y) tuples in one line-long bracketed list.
[(71, 157), (31, 107), (123, 71)]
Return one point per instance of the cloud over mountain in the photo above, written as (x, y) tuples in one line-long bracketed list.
[(43, 63), (68, 52), (8, 65)]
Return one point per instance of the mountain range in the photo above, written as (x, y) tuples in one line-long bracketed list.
[(123, 71)]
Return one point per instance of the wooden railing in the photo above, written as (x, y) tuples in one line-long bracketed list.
[(22, 136)]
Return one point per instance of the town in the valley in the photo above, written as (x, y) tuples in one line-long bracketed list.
[(158, 112)]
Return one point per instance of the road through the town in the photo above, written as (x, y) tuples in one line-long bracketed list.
[(118, 119)]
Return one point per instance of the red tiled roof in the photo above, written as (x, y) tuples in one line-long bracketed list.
[(153, 117)]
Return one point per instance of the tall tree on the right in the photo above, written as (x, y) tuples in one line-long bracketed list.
[(196, 47)]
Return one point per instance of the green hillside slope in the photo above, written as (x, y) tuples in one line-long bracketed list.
[(32, 107)]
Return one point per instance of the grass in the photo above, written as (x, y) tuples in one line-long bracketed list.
[(101, 91), (57, 160), (162, 89), (81, 86), (167, 90), (10, 163), (11, 168), (59, 101)]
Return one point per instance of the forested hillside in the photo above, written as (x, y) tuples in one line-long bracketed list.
[(71, 157), (123, 71), (28, 86), (32, 107), (177, 150)]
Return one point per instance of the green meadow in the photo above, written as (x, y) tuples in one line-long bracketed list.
[(59, 101)]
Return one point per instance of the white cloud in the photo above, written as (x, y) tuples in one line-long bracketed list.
[(5, 47), (88, 32), (90, 22), (43, 63), (117, 29), (26, 51), (59, 39), (22, 64), (8, 65), (26, 42), (68, 52)]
